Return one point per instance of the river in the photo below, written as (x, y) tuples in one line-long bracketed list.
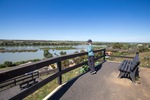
[(23, 56)]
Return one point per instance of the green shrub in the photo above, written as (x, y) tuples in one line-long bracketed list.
[(2, 66), (8, 63), (84, 69), (63, 53), (47, 54), (35, 60)]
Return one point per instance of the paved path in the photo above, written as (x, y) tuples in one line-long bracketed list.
[(104, 86)]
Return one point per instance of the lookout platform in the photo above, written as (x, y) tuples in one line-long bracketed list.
[(105, 86), (101, 86)]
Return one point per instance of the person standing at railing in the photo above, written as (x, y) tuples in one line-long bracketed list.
[(91, 57)]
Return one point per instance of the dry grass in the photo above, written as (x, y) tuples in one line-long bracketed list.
[(43, 91), (69, 75), (144, 59)]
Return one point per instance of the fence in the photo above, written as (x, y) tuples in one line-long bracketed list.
[(19, 70)]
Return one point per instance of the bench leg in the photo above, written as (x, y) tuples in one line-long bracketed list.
[(133, 75), (137, 73), (120, 74)]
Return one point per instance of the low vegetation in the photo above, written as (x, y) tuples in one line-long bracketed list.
[(47, 54), (144, 58), (8, 64)]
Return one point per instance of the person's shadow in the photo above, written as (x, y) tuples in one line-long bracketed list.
[(99, 66)]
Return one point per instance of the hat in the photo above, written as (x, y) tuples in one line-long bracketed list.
[(89, 40)]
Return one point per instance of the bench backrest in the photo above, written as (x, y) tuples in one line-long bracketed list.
[(135, 61)]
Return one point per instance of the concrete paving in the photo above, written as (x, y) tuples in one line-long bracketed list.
[(103, 86)]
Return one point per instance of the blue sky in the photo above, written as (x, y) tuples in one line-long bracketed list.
[(99, 20)]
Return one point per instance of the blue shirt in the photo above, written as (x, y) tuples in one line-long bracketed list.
[(90, 50)]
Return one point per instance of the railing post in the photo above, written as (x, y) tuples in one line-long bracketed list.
[(59, 70), (15, 82), (104, 55)]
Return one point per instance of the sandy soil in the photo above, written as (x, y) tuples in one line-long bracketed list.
[(141, 87)]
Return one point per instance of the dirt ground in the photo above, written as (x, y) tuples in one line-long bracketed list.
[(139, 89)]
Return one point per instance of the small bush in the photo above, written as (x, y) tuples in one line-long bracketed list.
[(8, 63), (35, 60), (84, 69), (2, 66)]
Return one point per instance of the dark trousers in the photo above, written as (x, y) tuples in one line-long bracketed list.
[(91, 63)]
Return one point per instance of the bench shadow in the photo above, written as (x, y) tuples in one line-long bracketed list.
[(60, 92)]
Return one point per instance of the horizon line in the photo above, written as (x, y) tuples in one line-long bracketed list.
[(67, 40)]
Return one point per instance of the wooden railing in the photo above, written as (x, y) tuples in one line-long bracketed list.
[(114, 56), (19, 70)]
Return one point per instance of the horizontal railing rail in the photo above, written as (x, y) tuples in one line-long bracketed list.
[(19, 70), (120, 56)]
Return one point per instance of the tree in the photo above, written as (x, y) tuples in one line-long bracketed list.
[(76, 52), (47, 54), (117, 45), (63, 53)]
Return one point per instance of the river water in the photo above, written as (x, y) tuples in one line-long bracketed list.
[(23, 56)]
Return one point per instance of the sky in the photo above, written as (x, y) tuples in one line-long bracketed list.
[(76, 20)]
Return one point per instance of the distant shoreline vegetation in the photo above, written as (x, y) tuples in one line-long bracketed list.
[(7, 64), (13, 51), (42, 43), (36, 43)]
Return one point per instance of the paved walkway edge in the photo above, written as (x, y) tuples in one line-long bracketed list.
[(54, 91)]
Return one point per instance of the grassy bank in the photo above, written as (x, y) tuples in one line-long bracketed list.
[(145, 59), (8, 64)]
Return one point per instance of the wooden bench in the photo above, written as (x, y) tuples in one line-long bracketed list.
[(24, 81), (29, 79), (129, 68)]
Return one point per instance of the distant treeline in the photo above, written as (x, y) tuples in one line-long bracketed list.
[(34, 43), (13, 51), (42, 42)]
